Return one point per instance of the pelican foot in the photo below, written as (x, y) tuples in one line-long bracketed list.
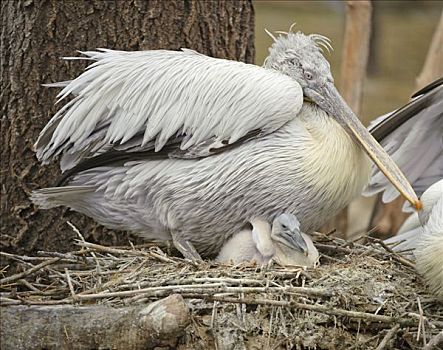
[(186, 248)]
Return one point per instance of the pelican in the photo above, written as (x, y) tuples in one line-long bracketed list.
[(283, 242), (178, 145), (429, 251), (413, 136), (423, 238)]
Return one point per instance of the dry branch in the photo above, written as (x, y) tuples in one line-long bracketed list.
[(94, 327), (389, 335), (435, 343), (32, 270)]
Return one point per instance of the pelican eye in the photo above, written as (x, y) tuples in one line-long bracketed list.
[(308, 75)]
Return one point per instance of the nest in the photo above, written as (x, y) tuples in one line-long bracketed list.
[(360, 297)]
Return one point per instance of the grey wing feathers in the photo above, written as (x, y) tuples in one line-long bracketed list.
[(51, 197), (153, 96), (413, 137)]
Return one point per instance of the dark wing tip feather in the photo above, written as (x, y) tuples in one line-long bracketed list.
[(429, 87), (426, 97)]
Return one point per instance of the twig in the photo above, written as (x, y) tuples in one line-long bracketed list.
[(29, 285), (104, 249), (147, 291), (9, 301), (434, 342), (22, 257), (396, 256), (209, 288), (334, 248), (421, 324), (197, 280), (32, 270), (366, 341), (138, 253), (64, 256), (71, 287), (389, 335)]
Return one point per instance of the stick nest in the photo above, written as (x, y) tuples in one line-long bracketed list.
[(362, 296)]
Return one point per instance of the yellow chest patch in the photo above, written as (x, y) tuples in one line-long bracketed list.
[(341, 167)]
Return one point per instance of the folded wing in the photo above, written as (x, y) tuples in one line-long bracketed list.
[(182, 102)]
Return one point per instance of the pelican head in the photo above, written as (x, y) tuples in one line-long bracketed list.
[(300, 57), (286, 231)]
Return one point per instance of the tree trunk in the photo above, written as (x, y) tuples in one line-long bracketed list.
[(34, 35)]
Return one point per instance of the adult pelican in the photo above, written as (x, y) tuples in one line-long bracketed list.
[(184, 146), (422, 238), (413, 136)]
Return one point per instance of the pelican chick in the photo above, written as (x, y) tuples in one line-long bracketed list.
[(284, 242)]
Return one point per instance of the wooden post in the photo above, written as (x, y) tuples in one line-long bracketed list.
[(355, 52), (433, 67), (353, 72)]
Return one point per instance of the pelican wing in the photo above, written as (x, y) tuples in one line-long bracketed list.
[(261, 236), (413, 137), (183, 103)]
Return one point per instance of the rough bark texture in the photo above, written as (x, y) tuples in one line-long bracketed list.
[(34, 35), (94, 327)]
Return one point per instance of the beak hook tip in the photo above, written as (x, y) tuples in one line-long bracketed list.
[(418, 205)]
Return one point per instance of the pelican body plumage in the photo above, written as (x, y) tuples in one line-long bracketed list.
[(184, 146)]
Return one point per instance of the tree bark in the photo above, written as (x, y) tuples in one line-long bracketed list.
[(34, 35), (94, 327)]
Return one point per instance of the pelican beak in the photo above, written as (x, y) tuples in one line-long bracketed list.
[(329, 99), (293, 240)]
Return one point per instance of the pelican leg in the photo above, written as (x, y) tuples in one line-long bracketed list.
[(185, 247)]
